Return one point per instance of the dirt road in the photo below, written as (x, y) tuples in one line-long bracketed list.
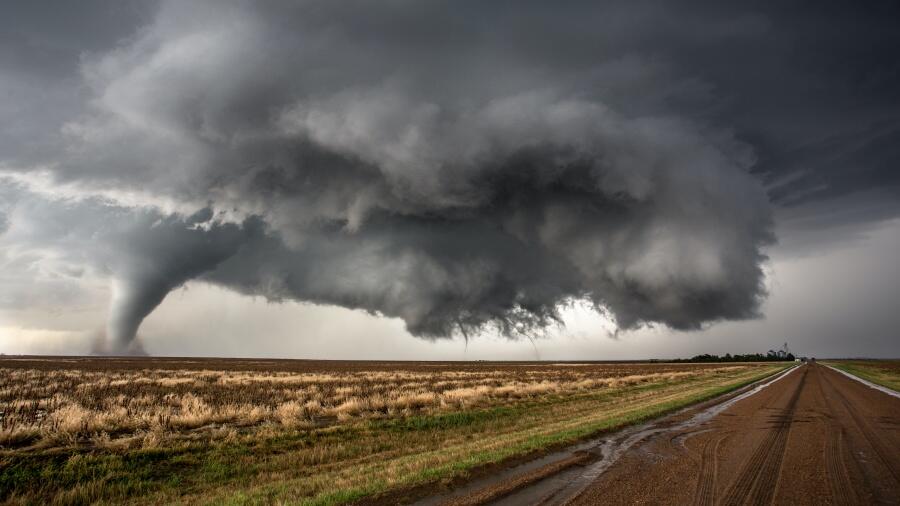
[(813, 437), (808, 436)]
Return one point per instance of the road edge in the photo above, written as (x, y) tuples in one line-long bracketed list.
[(876, 386), (565, 452)]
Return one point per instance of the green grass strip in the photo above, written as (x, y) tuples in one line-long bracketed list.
[(883, 372), (477, 459)]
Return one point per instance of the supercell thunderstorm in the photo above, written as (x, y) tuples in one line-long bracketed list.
[(220, 143)]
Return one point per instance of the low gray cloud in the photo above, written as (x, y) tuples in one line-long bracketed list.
[(458, 166)]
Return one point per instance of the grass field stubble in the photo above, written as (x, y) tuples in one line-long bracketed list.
[(423, 426)]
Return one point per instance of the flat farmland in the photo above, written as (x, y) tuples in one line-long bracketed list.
[(881, 372), (164, 430)]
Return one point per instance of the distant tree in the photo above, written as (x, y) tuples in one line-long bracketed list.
[(771, 356)]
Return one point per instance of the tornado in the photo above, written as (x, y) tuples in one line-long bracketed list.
[(153, 255), (132, 300)]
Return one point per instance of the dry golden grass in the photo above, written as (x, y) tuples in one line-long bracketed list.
[(47, 407)]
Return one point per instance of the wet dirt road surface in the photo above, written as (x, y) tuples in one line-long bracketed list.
[(813, 437), (809, 435)]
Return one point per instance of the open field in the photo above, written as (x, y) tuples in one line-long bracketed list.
[(881, 372), (76, 431)]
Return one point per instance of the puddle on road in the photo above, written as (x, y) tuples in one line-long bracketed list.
[(564, 486)]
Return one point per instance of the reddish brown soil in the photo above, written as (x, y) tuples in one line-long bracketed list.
[(815, 437), (501, 490)]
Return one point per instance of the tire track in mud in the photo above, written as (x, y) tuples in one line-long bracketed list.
[(756, 482), (874, 440), (837, 471), (819, 438), (705, 495), (833, 453)]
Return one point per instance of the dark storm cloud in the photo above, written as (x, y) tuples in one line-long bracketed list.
[(41, 45), (817, 97), (461, 165)]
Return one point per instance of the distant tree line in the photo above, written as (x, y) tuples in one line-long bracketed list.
[(771, 356)]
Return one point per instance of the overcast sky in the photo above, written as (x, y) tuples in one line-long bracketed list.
[(449, 180)]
